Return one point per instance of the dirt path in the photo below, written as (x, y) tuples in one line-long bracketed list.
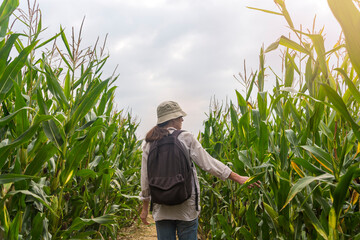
[(140, 232)]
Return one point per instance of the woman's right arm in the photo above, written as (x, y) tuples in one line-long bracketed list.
[(203, 159)]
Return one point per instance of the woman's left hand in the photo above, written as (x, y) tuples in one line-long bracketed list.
[(143, 215), (242, 179)]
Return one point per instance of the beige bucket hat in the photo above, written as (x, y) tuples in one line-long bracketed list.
[(169, 110)]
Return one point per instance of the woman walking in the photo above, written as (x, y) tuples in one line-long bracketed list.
[(181, 218)]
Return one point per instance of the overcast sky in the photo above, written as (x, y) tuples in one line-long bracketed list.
[(182, 50)]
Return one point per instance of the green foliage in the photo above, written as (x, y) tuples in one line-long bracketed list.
[(69, 163), (301, 141)]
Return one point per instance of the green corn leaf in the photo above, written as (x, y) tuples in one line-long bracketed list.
[(304, 182), (3, 156), (340, 107), (335, 49), (6, 80), (251, 87), (83, 77), (87, 102), (261, 74), (99, 67), (332, 224), (11, 178), (251, 219), (252, 179), (67, 85), (88, 234), (50, 128), (285, 13), (37, 226), (311, 215), (263, 141), (29, 132), (6, 9), (286, 42), (109, 132), (348, 15), (5, 51), (79, 223), (310, 75), (102, 104), (224, 224), (63, 57), (291, 61), (326, 131), (37, 197), (289, 71), (77, 153), (86, 125), (234, 119), (5, 120), (42, 156), (343, 186), (357, 236), (24, 137), (65, 41), (321, 156), (308, 166), (55, 88), (38, 29), (110, 98), (244, 125), (267, 11), (15, 226), (272, 213), (245, 233), (244, 158), (354, 91), (284, 151), (87, 173), (241, 102), (296, 115), (262, 105), (4, 217), (318, 42), (22, 121), (47, 41), (291, 136)]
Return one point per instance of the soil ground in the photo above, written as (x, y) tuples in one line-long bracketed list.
[(139, 231)]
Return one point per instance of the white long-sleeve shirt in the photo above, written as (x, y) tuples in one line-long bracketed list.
[(185, 211)]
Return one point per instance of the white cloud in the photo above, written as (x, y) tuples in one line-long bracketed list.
[(184, 50), (181, 48)]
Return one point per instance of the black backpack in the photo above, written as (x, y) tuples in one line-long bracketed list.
[(170, 171)]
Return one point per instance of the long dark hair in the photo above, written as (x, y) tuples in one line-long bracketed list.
[(157, 132)]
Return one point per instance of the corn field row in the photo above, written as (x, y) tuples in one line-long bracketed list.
[(69, 162), (301, 141)]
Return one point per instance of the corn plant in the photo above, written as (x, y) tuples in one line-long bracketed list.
[(301, 140), (68, 161)]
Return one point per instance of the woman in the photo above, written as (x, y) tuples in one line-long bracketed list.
[(182, 218)]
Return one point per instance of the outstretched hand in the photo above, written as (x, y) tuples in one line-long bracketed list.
[(242, 179)]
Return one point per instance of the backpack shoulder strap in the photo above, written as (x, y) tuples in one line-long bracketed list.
[(176, 133)]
